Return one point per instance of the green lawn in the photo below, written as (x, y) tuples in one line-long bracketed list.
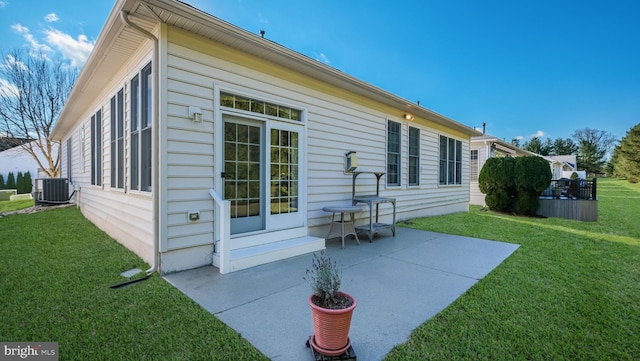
[(8, 206), (55, 275), (570, 292)]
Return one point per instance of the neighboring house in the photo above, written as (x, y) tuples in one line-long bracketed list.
[(176, 110), (487, 146), (17, 159), (565, 165)]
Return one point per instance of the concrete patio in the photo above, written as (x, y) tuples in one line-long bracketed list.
[(399, 283)]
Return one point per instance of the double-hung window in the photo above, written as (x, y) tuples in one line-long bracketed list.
[(450, 161), (69, 153), (414, 156), (96, 148), (393, 153), (140, 129), (117, 140), (474, 165)]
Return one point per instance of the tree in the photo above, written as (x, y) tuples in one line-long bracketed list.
[(2, 185), (515, 142), (564, 147), (536, 145), (626, 157), (32, 94), (19, 182), (11, 181), (593, 146), (28, 182)]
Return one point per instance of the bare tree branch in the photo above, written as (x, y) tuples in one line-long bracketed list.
[(33, 91)]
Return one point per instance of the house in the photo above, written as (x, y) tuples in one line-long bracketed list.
[(194, 142), (17, 159), (487, 146)]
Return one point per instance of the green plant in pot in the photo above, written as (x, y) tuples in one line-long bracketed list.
[(331, 308)]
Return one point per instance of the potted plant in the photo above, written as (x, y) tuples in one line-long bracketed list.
[(331, 309)]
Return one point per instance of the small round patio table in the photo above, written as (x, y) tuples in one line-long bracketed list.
[(342, 227)]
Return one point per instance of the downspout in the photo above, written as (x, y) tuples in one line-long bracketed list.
[(156, 141)]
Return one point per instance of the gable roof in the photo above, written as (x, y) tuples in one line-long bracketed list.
[(502, 145), (117, 42)]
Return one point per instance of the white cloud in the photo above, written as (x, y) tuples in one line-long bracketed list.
[(323, 58), (36, 47), (520, 137), (3, 4), (539, 134), (11, 62), (7, 89), (76, 50), (50, 18)]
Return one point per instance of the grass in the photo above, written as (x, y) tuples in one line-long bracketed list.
[(8, 206), (56, 273), (570, 292)]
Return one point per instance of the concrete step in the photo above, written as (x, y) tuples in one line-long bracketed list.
[(274, 251)]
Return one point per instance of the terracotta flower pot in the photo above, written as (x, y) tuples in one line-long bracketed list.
[(331, 328)]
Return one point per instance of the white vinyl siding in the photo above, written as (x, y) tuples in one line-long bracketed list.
[(125, 216)]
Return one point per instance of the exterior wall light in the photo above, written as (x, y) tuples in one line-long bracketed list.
[(408, 117), (195, 114)]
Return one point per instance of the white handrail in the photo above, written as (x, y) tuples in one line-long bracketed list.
[(222, 229)]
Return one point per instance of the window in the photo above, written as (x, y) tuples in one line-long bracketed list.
[(258, 106), (69, 145), (393, 153), (450, 161), (83, 142), (284, 171), (96, 148), (414, 156), (146, 125), (474, 165), (134, 129), (117, 140)]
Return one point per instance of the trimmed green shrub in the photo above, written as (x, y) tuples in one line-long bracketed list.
[(532, 176), (497, 183), (574, 175)]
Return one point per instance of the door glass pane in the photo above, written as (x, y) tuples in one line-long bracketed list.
[(242, 169), (284, 171)]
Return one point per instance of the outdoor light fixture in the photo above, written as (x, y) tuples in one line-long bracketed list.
[(408, 116), (351, 161), (195, 114)]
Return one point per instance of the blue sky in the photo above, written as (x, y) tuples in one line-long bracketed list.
[(524, 68)]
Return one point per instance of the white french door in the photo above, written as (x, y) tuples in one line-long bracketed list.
[(261, 175)]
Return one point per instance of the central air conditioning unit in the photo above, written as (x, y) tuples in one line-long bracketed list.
[(52, 190)]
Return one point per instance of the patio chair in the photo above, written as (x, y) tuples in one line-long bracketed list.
[(572, 191)]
